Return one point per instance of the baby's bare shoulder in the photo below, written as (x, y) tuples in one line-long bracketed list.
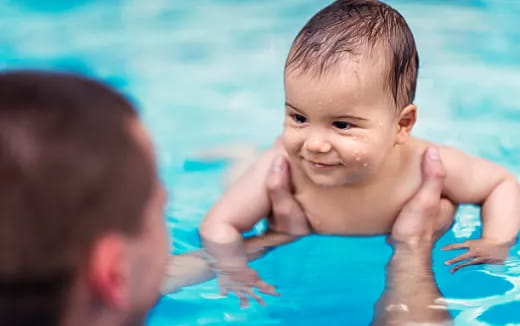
[(417, 146)]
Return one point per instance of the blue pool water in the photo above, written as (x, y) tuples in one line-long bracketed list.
[(209, 72)]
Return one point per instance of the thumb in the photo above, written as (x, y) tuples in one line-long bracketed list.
[(287, 215), (433, 172), (427, 199), (278, 183)]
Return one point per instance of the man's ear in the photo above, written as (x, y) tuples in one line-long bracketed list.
[(108, 271), (406, 121)]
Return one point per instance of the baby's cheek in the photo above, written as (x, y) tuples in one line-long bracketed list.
[(291, 141), (353, 150), (369, 163), (357, 155)]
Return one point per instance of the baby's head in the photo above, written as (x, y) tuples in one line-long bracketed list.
[(350, 81)]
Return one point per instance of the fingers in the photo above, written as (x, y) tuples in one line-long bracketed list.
[(464, 256), (462, 245), (244, 301), (475, 261), (244, 292), (266, 288), (471, 256), (255, 296)]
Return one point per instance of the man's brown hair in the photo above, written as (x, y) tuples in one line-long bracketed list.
[(351, 26), (70, 171)]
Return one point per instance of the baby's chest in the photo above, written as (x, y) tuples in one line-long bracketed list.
[(363, 215)]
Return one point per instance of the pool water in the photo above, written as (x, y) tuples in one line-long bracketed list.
[(209, 73)]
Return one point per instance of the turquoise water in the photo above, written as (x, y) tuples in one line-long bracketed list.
[(207, 73)]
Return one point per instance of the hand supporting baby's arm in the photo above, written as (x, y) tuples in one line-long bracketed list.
[(474, 180)]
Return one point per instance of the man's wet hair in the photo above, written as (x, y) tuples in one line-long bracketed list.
[(71, 171), (354, 27)]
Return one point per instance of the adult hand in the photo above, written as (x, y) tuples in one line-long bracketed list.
[(426, 215), (411, 296), (287, 215)]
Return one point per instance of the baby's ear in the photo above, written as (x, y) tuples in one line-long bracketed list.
[(406, 121)]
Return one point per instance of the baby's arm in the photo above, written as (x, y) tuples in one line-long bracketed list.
[(474, 180), (243, 205), (289, 221)]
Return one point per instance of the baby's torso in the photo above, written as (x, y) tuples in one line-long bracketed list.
[(349, 213), (359, 211)]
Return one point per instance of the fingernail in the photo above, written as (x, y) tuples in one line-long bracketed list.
[(433, 154), (278, 164)]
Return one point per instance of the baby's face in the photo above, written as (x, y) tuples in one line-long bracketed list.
[(339, 127)]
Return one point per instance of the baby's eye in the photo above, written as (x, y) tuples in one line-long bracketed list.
[(342, 125), (298, 118)]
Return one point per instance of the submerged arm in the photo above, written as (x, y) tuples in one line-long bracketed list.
[(474, 180), (237, 211), (193, 267), (288, 219)]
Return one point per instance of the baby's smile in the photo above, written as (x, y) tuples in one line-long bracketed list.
[(322, 166)]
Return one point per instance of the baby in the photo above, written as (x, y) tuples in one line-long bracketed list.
[(350, 80)]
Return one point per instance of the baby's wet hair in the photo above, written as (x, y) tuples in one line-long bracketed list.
[(353, 27)]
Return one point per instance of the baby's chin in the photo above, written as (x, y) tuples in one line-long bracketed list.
[(327, 181), (331, 180)]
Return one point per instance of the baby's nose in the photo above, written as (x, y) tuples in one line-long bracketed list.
[(318, 145)]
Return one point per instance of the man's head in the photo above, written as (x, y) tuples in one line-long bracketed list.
[(350, 81), (81, 229)]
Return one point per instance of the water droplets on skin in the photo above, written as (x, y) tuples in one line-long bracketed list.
[(357, 157)]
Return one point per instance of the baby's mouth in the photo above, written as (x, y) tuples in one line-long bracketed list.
[(322, 165)]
